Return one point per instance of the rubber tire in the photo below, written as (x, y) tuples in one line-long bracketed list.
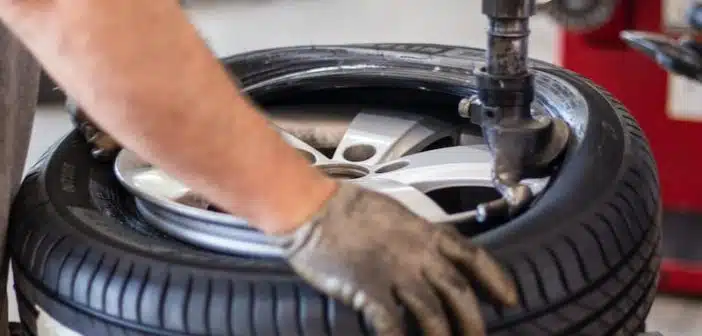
[(585, 257)]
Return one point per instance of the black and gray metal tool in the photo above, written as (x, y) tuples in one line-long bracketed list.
[(681, 56), (523, 142)]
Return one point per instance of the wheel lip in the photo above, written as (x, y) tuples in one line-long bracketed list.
[(267, 246), (247, 238), (184, 210)]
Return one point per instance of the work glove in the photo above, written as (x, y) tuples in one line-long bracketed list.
[(370, 252), (102, 146)]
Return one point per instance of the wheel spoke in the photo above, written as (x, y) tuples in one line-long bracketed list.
[(380, 136), (458, 166), (413, 199), (442, 168), (311, 153)]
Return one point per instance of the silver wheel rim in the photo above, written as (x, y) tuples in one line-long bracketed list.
[(382, 150)]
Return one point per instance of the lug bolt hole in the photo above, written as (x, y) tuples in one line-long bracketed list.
[(358, 153)]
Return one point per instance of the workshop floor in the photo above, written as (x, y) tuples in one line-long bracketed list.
[(236, 26)]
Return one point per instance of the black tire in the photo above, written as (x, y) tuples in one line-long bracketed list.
[(585, 256)]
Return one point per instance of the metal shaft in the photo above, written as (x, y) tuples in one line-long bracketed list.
[(508, 35), (521, 145), (505, 84)]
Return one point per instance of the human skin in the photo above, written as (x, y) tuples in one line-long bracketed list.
[(143, 73)]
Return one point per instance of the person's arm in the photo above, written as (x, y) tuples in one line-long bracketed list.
[(144, 74), (139, 69)]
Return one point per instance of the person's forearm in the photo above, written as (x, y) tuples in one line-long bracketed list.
[(142, 73)]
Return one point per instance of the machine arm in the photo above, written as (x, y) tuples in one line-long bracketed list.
[(679, 56), (523, 142)]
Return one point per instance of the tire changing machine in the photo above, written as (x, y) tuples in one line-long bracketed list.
[(643, 86)]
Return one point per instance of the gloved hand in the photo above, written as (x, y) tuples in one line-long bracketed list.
[(103, 146), (369, 251)]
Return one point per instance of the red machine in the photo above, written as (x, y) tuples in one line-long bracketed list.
[(643, 87)]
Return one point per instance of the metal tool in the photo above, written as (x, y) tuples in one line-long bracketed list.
[(580, 15), (679, 56), (524, 144)]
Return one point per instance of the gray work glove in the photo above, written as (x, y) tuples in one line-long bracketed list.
[(370, 252)]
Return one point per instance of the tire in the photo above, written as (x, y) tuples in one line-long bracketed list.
[(585, 256)]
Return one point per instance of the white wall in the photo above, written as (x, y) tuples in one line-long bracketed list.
[(235, 26)]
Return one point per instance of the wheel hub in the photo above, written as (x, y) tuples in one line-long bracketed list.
[(344, 171)]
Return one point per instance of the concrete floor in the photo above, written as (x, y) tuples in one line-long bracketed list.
[(231, 27)]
